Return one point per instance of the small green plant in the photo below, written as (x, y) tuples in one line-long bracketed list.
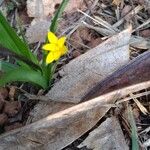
[(27, 67)]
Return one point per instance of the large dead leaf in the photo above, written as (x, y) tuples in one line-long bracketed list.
[(85, 72), (136, 71), (81, 74), (58, 130), (107, 136), (44, 8)]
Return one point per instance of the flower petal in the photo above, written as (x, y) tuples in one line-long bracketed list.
[(52, 37), (50, 47), (50, 58), (57, 55), (61, 41), (64, 50)]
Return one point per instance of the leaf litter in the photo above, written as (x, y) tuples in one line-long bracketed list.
[(86, 30)]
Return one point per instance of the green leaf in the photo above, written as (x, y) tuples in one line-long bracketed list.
[(58, 14), (6, 66), (23, 61), (10, 40), (134, 135), (24, 75)]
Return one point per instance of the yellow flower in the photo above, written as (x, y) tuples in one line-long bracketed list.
[(55, 47)]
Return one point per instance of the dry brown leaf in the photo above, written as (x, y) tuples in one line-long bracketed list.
[(60, 129), (44, 8), (12, 108), (117, 2), (81, 74), (106, 136), (145, 33), (3, 119), (37, 32), (3, 92)]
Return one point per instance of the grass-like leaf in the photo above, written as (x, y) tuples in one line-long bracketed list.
[(134, 135), (58, 14), (6, 66), (23, 61), (24, 75), (10, 40)]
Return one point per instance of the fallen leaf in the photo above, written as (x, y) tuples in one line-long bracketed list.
[(41, 110), (95, 42), (44, 8), (76, 53), (12, 91), (82, 73), (106, 136), (117, 2), (145, 33), (3, 119), (12, 108), (3, 92), (2, 102), (37, 32), (62, 128)]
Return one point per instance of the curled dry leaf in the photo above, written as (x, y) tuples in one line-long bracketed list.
[(117, 2), (3, 92), (2, 102), (80, 36), (95, 42), (12, 92), (3, 119), (12, 108), (76, 53)]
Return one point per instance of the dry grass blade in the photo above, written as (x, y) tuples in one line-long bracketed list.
[(142, 25), (146, 143), (100, 22), (134, 11), (146, 130), (134, 96), (141, 107)]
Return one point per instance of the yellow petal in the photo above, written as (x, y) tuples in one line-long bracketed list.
[(64, 50), (57, 55), (50, 47), (50, 58), (52, 37), (61, 41)]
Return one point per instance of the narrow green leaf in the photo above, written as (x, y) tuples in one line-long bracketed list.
[(10, 40), (6, 66), (134, 135), (24, 75), (58, 14), (23, 61)]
